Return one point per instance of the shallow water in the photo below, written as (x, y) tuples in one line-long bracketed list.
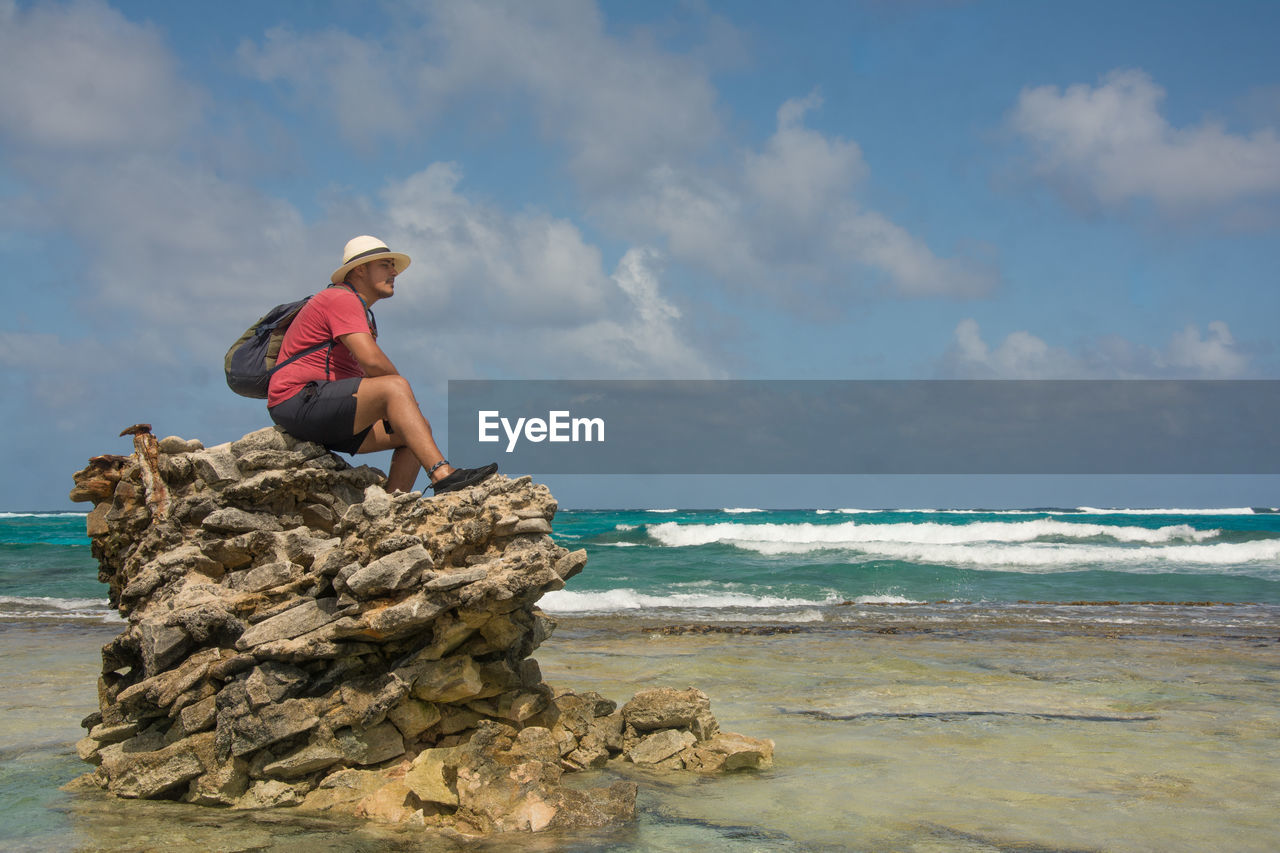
[(956, 736), (974, 740)]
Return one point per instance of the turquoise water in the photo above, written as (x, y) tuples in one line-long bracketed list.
[(740, 561), (805, 564), (935, 680)]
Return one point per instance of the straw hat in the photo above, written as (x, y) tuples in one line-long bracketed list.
[(361, 250)]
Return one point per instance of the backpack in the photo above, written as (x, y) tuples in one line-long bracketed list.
[(252, 359)]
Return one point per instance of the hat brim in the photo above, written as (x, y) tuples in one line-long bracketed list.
[(401, 261)]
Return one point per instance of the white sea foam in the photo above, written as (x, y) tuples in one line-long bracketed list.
[(567, 601), (625, 527), (1254, 558), (44, 607), (618, 600), (1048, 511), (42, 514), (662, 510), (809, 536), (1042, 545), (1093, 510), (740, 510), (55, 603), (885, 599), (984, 511), (934, 511)]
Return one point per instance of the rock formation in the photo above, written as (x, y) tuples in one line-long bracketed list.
[(296, 636)]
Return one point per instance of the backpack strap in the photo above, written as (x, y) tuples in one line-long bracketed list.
[(313, 348), (368, 312), (373, 328)]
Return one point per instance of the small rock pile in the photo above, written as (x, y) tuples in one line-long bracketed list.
[(299, 637)]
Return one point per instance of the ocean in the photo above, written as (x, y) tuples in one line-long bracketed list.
[(811, 565), (1050, 678)]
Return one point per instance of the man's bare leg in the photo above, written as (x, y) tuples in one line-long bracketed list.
[(403, 471), (390, 397)]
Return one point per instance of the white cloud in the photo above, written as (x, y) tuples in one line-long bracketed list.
[(1214, 355), (525, 267), (1111, 145), (910, 265), (619, 105), (801, 173), (787, 216), (644, 140), (179, 260), (653, 334), (355, 80), (1021, 355), (96, 118), (524, 294), (173, 249), (81, 78)]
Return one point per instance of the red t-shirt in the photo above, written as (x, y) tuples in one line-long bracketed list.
[(332, 312)]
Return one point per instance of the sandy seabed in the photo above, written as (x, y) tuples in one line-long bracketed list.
[(1006, 736)]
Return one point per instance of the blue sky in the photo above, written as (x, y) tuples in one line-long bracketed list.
[(904, 190)]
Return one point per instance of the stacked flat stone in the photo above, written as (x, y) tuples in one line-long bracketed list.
[(297, 636)]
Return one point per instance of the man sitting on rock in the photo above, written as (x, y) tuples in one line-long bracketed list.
[(348, 396)]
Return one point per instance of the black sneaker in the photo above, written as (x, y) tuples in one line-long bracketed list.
[(461, 478)]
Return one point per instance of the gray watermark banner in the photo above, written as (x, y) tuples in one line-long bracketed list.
[(867, 426)]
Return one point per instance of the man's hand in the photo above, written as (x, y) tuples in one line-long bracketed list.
[(371, 357)]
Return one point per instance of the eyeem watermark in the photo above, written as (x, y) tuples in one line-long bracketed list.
[(559, 426), (870, 426)]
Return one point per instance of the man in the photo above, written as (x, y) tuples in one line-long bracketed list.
[(348, 396)]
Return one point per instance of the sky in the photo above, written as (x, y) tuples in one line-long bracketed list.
[(664, 190)]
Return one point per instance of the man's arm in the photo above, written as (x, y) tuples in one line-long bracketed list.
[(371, 357)]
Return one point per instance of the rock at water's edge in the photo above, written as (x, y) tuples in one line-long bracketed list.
[(296, 636)]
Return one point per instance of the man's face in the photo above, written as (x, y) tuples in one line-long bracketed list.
[(380, 276)]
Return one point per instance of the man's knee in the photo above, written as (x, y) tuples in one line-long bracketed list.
[(384, 391), (383, 386)]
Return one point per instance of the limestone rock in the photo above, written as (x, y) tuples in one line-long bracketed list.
[(667, 708), (305, 761), (298, 637), (150, 773), (269, 576), (343, 789), (660, 746), (393, 572), (216, 465), (232, 520), (173, 444), (445, 681), (372, 745), (413, 716), (433, 776), (272, 723), (729, 751), (272, 793), (306, 615)]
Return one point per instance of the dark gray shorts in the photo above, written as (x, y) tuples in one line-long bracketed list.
[(323, 412)]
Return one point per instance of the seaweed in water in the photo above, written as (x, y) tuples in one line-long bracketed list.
[(770, 839), (1002, 846), (955, 715)]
